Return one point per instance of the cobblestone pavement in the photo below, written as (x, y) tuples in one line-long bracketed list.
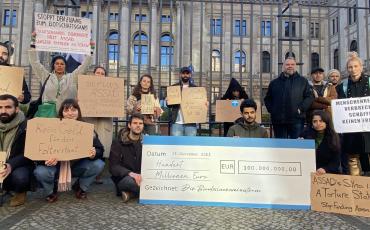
[(104, 210)]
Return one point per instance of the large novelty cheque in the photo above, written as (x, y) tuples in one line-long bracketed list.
[(59, 33), (236, 172)]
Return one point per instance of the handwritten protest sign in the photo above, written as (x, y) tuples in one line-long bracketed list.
[(173, 95), (342, 194), (351, 115), (64, 140), (59, 33), (101, 96), (193, 104), (11, 80), (147, 104), (229, 110), (2, 163)]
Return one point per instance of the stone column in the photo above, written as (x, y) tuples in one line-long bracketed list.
[(125, 33), (154, 36)]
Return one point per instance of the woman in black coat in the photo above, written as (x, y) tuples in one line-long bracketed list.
[(327, 143)]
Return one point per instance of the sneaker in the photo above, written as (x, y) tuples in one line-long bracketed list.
[(125, 197), (52, 198), (18, 199)]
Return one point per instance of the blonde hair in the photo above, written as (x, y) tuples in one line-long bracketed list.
[(353, 56)]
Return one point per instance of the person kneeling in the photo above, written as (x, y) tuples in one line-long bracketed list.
[(125, 158), (85, 169)]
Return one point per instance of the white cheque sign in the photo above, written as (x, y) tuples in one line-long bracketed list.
[(236, 172)]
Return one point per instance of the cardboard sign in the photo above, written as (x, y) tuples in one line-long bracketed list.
[(351, 115), (101, 96), (59, 33), (173, 95), (229, 110), (147, 104), (64, 140), (222, 171), (11, 80), (193, 105), (342, 194), (2, 163)]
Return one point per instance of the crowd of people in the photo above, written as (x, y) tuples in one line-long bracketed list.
[(299, 108)]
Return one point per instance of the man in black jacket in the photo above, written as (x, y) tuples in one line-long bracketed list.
[(17, 169), (287, 100), (125, 158), (5, 52)]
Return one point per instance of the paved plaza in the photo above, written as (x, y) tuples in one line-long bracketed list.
[(104, 210)]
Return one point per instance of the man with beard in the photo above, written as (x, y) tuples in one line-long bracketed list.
[(178, 128), (5, 52), (246, 126), (17, 169), (125, 158), (288, 98)]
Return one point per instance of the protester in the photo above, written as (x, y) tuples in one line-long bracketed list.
[(287, 100), (5, 52), (327, 142), (85, 169), (356, 145), (322, 91), (103, 126), (125, 158), (145, 86), (246, 126), (60, 85), (17, 170), (334, 77), (234, 92)]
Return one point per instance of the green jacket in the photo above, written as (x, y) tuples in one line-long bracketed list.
[(242, 129)]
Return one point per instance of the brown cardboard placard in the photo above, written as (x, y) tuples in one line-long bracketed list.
[(64, 140), (342, 194), (101, 96), (229, 110), (147, 104), (2, 163), (173, 95), (11, 80), (193, 105)]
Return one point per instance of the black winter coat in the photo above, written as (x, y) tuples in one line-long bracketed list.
[(285, 95)]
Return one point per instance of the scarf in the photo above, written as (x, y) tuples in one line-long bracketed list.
[(8, 131), (65, 176), (318, 139)]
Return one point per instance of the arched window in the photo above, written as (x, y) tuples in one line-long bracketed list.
[(113, 49), (166, 50), (336, 59), (353, 46), (240, 61), (141, 49), (216, 60), (266, 62), (315, 60), (289, 54)]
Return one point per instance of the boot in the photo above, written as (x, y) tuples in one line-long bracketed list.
[(354, 165), (18, 199)]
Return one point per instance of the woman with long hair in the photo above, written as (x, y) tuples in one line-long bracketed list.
[(327, 142), (85, 169), (145, 86)]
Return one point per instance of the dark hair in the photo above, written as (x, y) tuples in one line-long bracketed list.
[(100, 67), (137, 116), (55, 58), (8, 46), (248, 103), (70, 103), (330, 134), (5, 97), (137, 90), (234, 86)]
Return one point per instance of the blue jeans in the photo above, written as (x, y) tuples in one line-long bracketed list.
[(183, 130), (85, 170), (288, 131), (18, 180), (128, 184)]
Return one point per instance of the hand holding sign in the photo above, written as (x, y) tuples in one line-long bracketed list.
[(3, 167)]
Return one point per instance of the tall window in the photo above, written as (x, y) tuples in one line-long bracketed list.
[(314, 30), (315, 60), (352, 15), (141, 49), (353, 46), (336, 59), (113, 16), (239, 61), (166, 50), (266, 62), (140, 18), (8, 18), (287, 27), (60, 12), (240, 29), (335, 25), (113, 49), (166, 19), (216, 60), (216, 26), (215, 94), (266, 28), (85, 14)]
